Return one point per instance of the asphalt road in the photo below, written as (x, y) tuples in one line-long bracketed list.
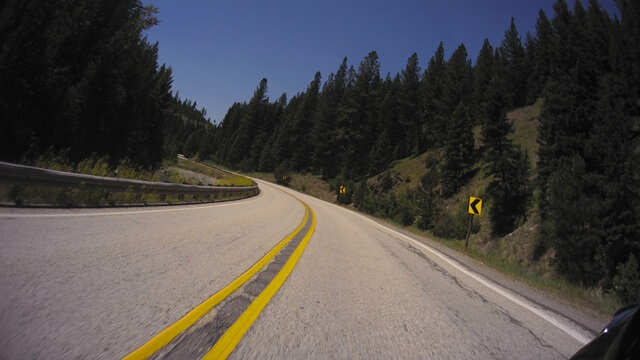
[(98, 283)]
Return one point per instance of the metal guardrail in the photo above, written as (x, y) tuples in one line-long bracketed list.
[(33, 176)]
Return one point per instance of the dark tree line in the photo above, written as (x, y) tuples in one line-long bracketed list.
[(588, 170), (186, 130), (81, 77)]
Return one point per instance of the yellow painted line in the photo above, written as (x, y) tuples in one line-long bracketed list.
[(163, 338), (234, 334)]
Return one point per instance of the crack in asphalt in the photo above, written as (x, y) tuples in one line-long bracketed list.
[(472, 292), (593, 332), (519, 323)]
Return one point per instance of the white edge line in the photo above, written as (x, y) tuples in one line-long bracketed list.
[(186, 208), (482, 280), (491, 285)]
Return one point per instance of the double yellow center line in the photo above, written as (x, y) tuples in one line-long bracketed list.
[(234, 334)]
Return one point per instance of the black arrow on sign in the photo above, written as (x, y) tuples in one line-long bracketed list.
[(473, 206)]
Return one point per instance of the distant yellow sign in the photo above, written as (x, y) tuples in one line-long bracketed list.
[(475, 206), (343, 189), (284, 178)]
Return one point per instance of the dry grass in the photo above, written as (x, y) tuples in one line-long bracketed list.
[(525, 123), (29, 195), (222, 178), (408, 171)]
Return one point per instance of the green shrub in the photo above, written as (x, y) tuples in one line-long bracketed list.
[(98, 166), (626, 283), (454, 226), (403, 210), (54, 161), (386, 182)]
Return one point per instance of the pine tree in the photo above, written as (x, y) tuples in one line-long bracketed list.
[(380, 156), (302, 123), (573, 217), (242, 138), (458, 150), (324, 128), (390, 120), (267, 162), (433, 118), (541, 56), (509, 171), (458, 85), (514, 68), (482, 75), (365, 96), (409, 104)]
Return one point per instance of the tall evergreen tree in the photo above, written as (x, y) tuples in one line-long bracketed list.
[(409, 104), (541, 56), (324, 130), (434, 121), (458, 150), (482, 75), (508, 170), (380, 155), (458, 86), (302, 124), (514, 69), (366, 96), (241, 140)]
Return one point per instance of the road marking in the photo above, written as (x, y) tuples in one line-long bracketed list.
[(227, 343), (164, 337), (186, 208), (481, 279), (490, 284)]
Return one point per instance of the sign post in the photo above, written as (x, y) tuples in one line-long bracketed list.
[(475, 209)]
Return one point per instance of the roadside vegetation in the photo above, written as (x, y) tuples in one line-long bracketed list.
[(178, 171), (222, 178)]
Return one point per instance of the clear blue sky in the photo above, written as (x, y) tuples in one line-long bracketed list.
[(219, 50)]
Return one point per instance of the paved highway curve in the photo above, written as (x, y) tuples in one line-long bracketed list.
[(99, 283)]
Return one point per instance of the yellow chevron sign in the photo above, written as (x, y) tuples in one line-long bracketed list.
[(475, 206)]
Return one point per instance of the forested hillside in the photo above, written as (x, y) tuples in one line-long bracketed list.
[(582, 62), (80, 77)]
